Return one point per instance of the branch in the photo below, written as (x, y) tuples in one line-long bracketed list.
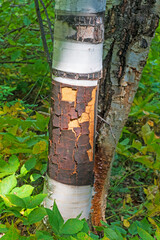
[(48, 20), (43, 35), (14, 30)]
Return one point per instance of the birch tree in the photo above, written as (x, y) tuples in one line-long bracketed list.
[(77, 68), (77, 73)]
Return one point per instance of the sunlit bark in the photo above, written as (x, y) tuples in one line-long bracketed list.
[(129, 28), (77, 68)]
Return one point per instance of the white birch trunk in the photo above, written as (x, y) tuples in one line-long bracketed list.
[(77, 68)]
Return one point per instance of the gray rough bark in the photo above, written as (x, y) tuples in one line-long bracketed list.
[(129, 28)]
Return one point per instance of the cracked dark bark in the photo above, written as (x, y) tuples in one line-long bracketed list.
[(129, 29)]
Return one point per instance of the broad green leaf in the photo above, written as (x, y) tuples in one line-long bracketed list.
[(26, 21), (143, 234), (58, 214), (41, 122), (43, 235), (157, 234), (16, 201), (32, 202), (93, 236), (133, 229), (40, 147), (137, 144), (23, 192), (83, 236), (125, 142), (7, 184), (71, 226), (3, 228), (20, 150), (35, 176), (146, 160), (135, 238), (55, 218), (85, 228), (147, 134), (28, 165), (15, 55), (12, 234), (111, 234), (37, 215), (53, 221), (10, 167)]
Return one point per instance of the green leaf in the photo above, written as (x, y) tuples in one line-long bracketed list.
[(157, 234), (125, 141), (146, 160), (26, 21), (12, 234), (43, 235), (72, 226), (3, 228), (137, 144), (53, 221), (28, 165), (16, 201), (40, 147), (32, 202), (15, 55), (93, 236), (37, 215), (83, 236), (10, 167), (143, 234), (147, 134), (133, 229), (35, 176), (58, 214), (111, 234), (85, 228), (23, 192), (7, 184), (55, 218), (41, 122)]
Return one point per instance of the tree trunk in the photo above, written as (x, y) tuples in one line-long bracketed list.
[(129, 28), (77, 67)]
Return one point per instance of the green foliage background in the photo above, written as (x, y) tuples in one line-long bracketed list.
[(133, 206)]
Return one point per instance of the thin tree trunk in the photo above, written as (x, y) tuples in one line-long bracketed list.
[(77, 67), (129, 28)]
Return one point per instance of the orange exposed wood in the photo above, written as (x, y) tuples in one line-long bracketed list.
[(72, 139), (68, 94)]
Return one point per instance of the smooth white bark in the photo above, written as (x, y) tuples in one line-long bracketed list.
[(86, 6), (82, 83), (77, 57), (71, 200)]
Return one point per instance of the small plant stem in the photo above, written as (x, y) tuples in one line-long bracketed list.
[(43, 36), (48, 20)]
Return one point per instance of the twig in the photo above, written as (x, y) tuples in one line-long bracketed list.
[(43, 35), (44, 113), (14, 30), (103, 120), (48, 20)]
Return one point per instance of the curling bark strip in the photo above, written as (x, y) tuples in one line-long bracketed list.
[(77, 67)]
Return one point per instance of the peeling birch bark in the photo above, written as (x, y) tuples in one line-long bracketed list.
[(129, 29), (77, 68)]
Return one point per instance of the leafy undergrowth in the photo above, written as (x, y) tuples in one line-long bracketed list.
[(23, 154)]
